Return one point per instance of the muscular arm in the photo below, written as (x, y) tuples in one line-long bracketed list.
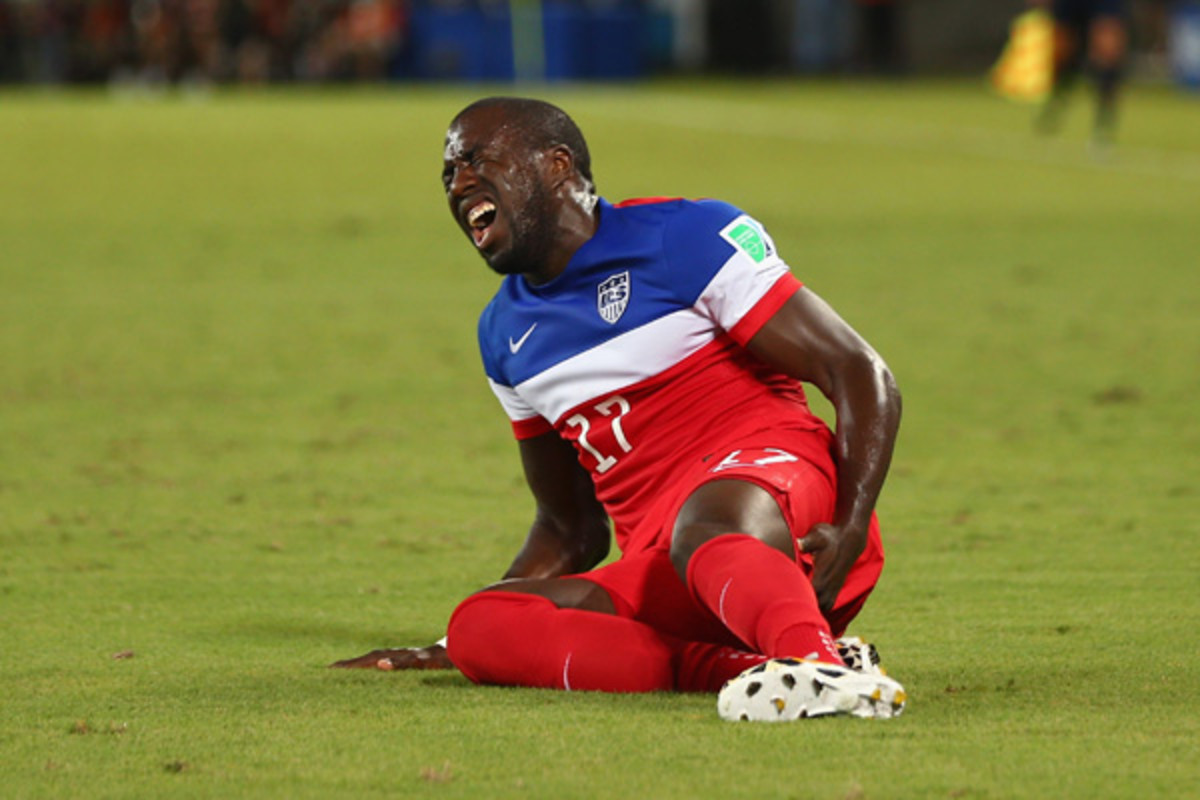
[(570, 528), (807, 340)]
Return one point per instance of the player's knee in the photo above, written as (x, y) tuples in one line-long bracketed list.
[(483, 636), (685, 542), (470, 635), (723, 507)]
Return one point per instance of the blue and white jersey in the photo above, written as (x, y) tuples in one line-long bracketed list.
[(634, 352)]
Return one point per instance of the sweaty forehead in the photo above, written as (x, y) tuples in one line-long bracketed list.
[(488, 128)]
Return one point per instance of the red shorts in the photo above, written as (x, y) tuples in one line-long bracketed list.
[(644, 585)]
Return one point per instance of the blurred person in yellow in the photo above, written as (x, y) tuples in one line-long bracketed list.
[(1025, 69)]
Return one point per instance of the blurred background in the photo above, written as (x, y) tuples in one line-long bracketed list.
[(201, 42)]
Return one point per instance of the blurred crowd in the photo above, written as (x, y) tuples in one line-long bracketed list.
[(173, 41), (259, 41), (159, 42)]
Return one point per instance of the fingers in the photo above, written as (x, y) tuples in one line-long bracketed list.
[(376, 659), (352, 663), (827, 583), (433, 657), (817, 538), (826, 601), (826, 577)]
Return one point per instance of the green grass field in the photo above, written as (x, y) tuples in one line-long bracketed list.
[(244, 433)]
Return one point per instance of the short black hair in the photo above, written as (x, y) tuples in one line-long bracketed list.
[(545, 125)]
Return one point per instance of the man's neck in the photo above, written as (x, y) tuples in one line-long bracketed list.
[(575, 226)]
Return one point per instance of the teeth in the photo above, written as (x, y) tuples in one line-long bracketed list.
[(478, 211)]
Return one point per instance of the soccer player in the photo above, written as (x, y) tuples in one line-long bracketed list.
[(650, 355), (1095, 33)]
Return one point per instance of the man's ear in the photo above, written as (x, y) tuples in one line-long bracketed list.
[(562, 165)]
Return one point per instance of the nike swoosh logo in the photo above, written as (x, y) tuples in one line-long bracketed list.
[(513, 347)]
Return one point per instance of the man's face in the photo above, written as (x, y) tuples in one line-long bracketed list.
[(497, 190)]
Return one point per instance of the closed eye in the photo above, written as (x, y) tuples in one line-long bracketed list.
[(471, 159)]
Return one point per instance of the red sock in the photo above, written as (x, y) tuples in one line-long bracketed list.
[(762, 596), (704, 667), (514, 639)]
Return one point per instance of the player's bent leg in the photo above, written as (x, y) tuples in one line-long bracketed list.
[(735, 551), (722, 506), (521, 642), (512, 639), (763, 597)]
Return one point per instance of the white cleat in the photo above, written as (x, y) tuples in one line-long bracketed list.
[(860, 656), (785, 689)]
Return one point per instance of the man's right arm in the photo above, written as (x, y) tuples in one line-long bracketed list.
[(570, 531)]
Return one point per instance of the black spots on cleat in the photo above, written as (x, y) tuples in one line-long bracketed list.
[(791, 662), (760, 668), (817, 686), (789, 681), (831, 672), (752, 688)]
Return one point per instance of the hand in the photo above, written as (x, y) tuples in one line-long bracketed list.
[(431, 657), (834, 551)]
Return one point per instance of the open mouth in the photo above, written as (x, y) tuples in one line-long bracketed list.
[(479, 221)]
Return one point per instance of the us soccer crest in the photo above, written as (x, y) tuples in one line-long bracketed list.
[(612, 295)]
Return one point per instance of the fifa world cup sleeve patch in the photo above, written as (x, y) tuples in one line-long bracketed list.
[(751, 284), (745, 234)]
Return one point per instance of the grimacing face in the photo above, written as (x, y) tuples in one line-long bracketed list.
[(496, 188)]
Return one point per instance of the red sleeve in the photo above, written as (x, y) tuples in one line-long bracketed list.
[(643, 201), (529, 428), (782, 291)]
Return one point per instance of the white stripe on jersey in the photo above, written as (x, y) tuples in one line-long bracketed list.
[(621, 361), (737, 287), (645, 351), (513, 404)]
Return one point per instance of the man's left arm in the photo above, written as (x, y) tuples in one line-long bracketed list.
[(807, 340)]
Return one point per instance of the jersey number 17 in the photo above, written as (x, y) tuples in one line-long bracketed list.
[(604, 430)]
